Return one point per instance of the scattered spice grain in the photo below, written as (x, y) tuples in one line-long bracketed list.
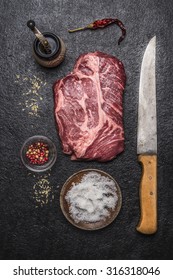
[(43, 192), (33, 94)]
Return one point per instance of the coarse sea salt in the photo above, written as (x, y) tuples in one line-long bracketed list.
[(92, 199)]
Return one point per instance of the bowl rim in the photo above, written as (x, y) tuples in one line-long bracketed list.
[(42, 168)]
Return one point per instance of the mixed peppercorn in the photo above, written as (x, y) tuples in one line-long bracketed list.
[(38, 153)]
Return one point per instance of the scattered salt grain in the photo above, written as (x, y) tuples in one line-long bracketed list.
[(92, 199)]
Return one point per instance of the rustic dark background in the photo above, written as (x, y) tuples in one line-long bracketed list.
[(29, 230)]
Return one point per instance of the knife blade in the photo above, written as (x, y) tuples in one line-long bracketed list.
[(147, 141)]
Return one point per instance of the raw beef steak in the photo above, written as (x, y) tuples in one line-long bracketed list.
[(88, 108)]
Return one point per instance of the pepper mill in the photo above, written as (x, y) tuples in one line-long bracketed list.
[(48, 49)]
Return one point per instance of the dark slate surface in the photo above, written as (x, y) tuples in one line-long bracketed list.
[(30, 232)]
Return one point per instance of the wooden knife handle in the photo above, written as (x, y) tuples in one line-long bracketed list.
[(148, 195)]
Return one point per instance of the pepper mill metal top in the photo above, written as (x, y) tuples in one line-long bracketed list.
[(48, 49)]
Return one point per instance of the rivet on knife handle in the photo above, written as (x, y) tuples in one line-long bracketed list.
[(148, 195)]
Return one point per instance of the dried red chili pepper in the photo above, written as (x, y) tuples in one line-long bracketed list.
[(103, 23)]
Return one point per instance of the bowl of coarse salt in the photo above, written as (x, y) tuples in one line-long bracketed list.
[(90, 199)]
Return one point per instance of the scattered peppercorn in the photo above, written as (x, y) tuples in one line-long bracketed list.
[(38, 153)]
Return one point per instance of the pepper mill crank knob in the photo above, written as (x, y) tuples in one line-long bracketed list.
[(31, 24)]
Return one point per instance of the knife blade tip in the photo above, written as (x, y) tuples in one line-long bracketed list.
[(153, 39)]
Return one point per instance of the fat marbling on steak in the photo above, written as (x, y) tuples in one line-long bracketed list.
[(88, 108)]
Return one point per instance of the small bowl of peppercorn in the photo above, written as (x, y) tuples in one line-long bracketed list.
[(38, 153)]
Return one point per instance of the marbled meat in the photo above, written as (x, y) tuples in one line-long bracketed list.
[(88, 108)]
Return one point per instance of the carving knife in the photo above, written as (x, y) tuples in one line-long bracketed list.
[(147, 141)]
